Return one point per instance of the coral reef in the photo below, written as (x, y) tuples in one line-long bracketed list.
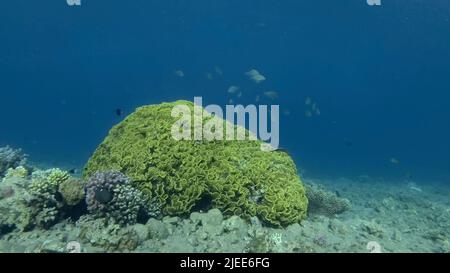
[(324, 202), (11, 158), (72, 191), (14, 209), (107, 236), (39, 201), (46, 198), (44, 184), (19, 171), (110, 195), (182, 176), (407, 224)]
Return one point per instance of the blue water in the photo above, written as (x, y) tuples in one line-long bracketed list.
[(380, 75)]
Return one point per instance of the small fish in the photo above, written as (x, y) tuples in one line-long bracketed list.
[(271, 95), (252, 73), (394, 160), (308, 114), (233, 89), (103, 196), (179, 73), (255, 76), (72, 171), (119, 112), (258, 97), (287, 112)]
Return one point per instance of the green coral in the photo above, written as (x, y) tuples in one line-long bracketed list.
[(72, 191), (236, 177), (44, 184), (44, 188), (20, 172)]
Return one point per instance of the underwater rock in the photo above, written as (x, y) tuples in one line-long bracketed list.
[(141, 231), (110, 195), (156, 229), (11, 158), (325, 202), (15, 212), (373, 229), (110, 237), (72, 191), (211, 221), (184, 176)]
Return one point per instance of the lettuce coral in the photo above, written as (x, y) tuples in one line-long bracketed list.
[(236, 176)]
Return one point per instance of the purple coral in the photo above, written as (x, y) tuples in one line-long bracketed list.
[(101, 184), (110, 195)]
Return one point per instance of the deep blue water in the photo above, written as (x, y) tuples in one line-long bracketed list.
[(380, 75)]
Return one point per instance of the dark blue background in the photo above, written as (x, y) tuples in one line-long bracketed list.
[(380, 75)]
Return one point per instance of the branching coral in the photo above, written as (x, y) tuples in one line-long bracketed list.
[(37, 202), (46, 199), (325, 202), (180, 176), (11, 158), (110, 195), (20, 172), (44, 184)]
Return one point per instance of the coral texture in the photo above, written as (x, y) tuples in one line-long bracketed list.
[(72, 191), (46, 198), (111, 196), (14, 209), (20, 172), (11, 158), (325, 202), (236, 177), (37, 201)]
